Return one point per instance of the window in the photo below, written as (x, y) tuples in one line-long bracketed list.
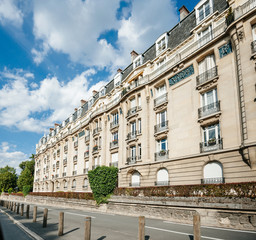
[(213, 173), (133, 152), (85, 182), (203, 9), (114, 157), (65, 169), (161, 62), (135, 179), (139, 100), (204, 36), (137, 61), (162, 177), (115, 118), (160, 90), (161, 118), (254, 32), (115, 136), (133, 103), (161, 43), (65, 184), (208, 98), (87, 164), (206, 64), (139, 150), (139, 126), (211, 134), (74, 183), (133, 127), (162, 145)]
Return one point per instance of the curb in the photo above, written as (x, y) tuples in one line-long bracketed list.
[(25, 229)]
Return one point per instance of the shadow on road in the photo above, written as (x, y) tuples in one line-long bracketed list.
[(72, 230), (191, 237), (101, 238), (147, 237)]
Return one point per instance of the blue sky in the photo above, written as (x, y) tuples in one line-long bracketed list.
[(54, 53)]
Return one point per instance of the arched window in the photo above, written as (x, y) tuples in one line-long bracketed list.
[(85, 183), (213, 173), (162, 177), (74, 184), (65, 184), (135, 180)]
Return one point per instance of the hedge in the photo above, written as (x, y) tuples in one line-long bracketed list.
[(203, 190), (76, 195)]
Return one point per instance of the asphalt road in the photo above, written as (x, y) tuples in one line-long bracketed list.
[(118, 227)]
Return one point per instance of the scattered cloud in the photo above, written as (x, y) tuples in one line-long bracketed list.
[(9, 156), (10, 13), (36, 109)]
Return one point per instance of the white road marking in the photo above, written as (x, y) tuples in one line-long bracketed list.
[(224, 229), (182, 233)]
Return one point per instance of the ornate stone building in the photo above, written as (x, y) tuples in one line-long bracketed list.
[(183, 112)]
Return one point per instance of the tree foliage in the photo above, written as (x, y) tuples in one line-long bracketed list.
[(8, 178), (103, 181), (26, 177)]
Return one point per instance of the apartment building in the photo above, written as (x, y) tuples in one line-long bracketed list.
[(183, 112)]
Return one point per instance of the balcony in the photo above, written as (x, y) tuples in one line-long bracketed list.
[(161, 100), (206, 76), (135, 184), (95, 166), (253, 46), (75, 159), (162, 183), (87, 138), (95, 149), (75, 144), (133, 111), (131, 160), (213, 180), (113, 164), (113, 144), (86, 170), (209, 109), (58, 164), (66, 148), (74, 173), (64, 174), (56, 175), (163, 126), (96, 130), (212, 145), (132, 135), (86, 154), (65, 161), (162, 155), (114, 124)]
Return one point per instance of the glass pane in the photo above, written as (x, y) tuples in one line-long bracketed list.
[(207, 9), (212, 133), (209, 96)]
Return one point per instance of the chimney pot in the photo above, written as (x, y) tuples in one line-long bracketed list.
[(119, 70), (133, 55), (82, 101), (183, 12), (94, 92)]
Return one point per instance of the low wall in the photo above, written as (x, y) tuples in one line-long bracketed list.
[(236, 213)]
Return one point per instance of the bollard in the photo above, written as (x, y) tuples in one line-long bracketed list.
[(18, 208), (27, 212), (196, 226), (34, 213), (22, 210), (14, 209), (141, 228), (45, 218), (11, 206), (87, 234), (61, 224)]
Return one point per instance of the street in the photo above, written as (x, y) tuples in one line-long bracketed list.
[(114, 227)]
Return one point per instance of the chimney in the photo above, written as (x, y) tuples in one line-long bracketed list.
[(119, 70), (183, 12), (75, 109), (51, 129), (56, 125), (82, 102), (94, 92), (133, 55)]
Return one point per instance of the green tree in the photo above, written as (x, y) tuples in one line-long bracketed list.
[(26, 177), (8, 178)]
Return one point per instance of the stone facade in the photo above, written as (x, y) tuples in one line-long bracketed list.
[(183, 112)]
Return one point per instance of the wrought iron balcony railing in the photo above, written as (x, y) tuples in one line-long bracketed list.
[(96, 130), (213, 180), (163, 126), (253, 46), (160, 100), (211, 145), (86, 154), (85, 186), (113, 164), (131, 160), (113, 144), (132, 135), (135, 184), (162, 155), (95, 149), (133, 110), (207, 75), (114, 124), (209, 109), (162, 183)]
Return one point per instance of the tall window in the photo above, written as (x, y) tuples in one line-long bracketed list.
[(133, 127), (133, 103), (115, 118), (162, 177), (204, 11), (133, 152), (162, 145), (135, 179), (209, 97), (115, 136), (211, 134), (160, 90), (213, 173), (139, 151), (74, 183), (161, 117), (254, 32), (205, 36), (206, 64), (161, 44), (139, 126), (139, 100)]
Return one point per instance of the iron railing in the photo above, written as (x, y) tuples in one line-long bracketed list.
[(114, 124), (135, 184), (162, 183), (132, 135), (113, 164), (209, 109), (253, 46), (161, 127), (131, 160), (160, 100), (85, 186), (132, 111), (96, 130), (56, 175), (95, 149), (207, 75), (213, 180), (113, 144), (211, 145), (86, 153), (162, 155)]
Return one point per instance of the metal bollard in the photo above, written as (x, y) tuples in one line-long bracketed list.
[(27, 212), (196, 226), (34, 213), (61, 224), (45, 218), (141, 228), (87, 233)]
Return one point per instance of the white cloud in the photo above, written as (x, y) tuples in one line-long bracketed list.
[(9, 156), (38, 108), (75, 28), (9, 13)]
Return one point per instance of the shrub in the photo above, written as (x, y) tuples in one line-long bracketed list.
[(10, 190), (103, 181), (26, 189), (76, 195)]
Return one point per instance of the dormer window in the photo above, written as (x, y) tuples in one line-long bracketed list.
[(203, 9), (118, 79), (161, 43), (137, 61)]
